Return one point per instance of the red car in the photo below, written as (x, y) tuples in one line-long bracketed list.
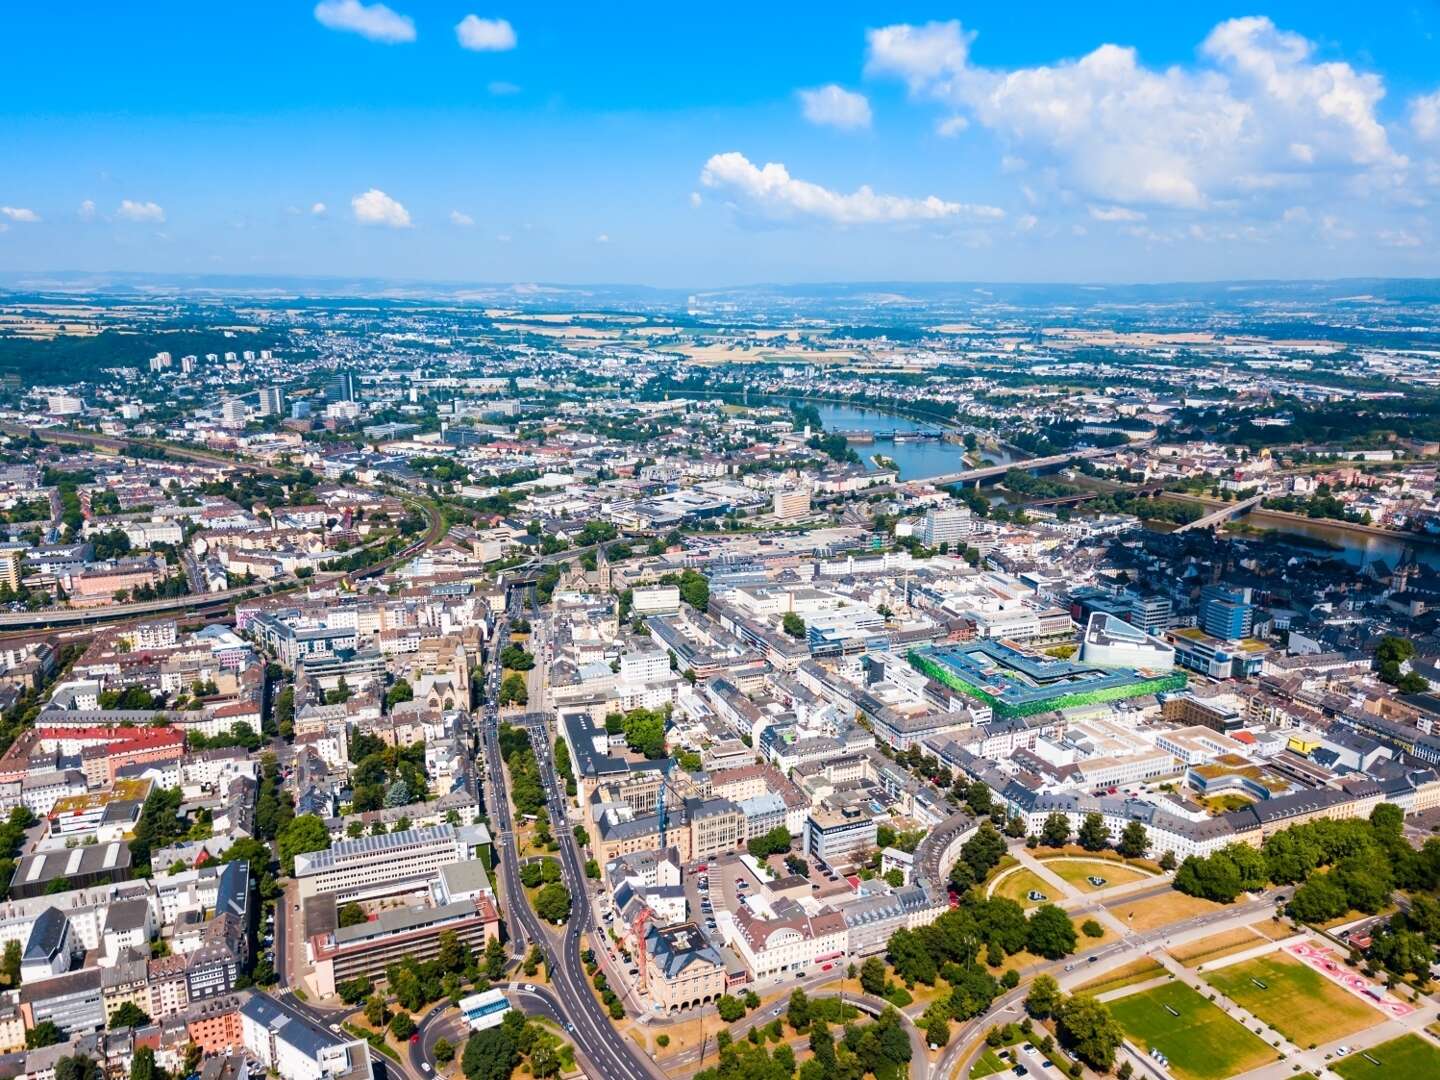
[(415, 1038)]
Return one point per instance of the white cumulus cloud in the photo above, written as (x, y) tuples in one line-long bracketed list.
[(1115, 213), (485, 35), (771, 191), (464, 220), (1425, 116), (130, 210), (834, 106), (20, 213), (319, 209), (374, 207), (86, 211), (1257, 112), (374, 21), (1399, 238)]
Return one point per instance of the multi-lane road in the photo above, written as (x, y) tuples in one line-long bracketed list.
[(608, 1052)]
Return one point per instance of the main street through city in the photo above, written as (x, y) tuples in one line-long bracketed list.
[(610, 1054)]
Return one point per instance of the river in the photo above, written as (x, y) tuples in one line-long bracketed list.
[(920, 460), (1355, 547), (915, 460)]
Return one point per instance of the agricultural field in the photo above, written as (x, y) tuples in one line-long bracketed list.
[(1201, 1042), (1295, 999)]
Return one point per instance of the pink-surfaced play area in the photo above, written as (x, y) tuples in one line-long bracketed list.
[(1329, 964)]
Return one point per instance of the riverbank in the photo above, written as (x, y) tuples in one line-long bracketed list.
[(899, 409), (1283, 517)]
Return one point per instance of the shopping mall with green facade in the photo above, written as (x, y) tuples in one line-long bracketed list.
[(1015, 683)]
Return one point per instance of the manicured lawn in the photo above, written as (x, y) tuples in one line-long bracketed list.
[(1274, 929), (1299, 1002), (1085, 944), (1015, 885), (1077, 873), (1408, 1056), (1201, 1042), (1136, 971), (1194, 953), (987, 1064), (1162, 910)]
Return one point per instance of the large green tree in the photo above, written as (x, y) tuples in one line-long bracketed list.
[(552, 903), (1089, 1031), (302, 834), (1051, 933)]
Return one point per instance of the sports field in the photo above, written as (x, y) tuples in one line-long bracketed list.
[(1407, 1056), (1201, 1042), (1296, 1000)]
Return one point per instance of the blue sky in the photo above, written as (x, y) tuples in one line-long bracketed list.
[(708, 145)]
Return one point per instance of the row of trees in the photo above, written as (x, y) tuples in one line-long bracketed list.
[(1094, 835), (563, 767)]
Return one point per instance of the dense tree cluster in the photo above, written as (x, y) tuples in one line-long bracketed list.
[(1389, 655), (979, 855), (644, 730), (160, 824), (415, 984), (526, 791), (774, 842), (300, 835), (240, 734), (513, 690), (12, 842), (1365, 861), (949, 949), (1084, 1025), (274, 805), (516, 658), (382, 774), (495, 1053)]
